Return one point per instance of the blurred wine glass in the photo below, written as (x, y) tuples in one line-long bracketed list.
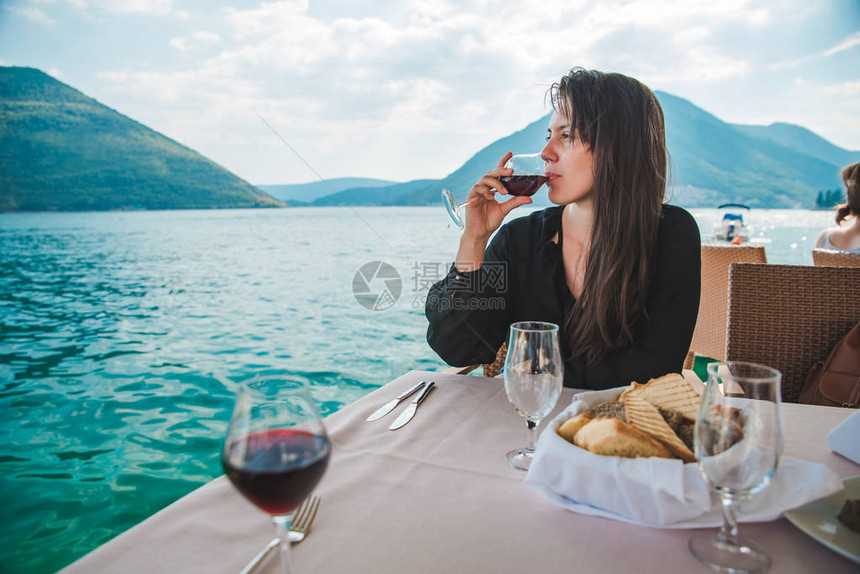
[(528, 176), (534, 373), (276, 450), (739, 439)]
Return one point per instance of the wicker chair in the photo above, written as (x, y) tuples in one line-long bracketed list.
[(709, 338), (790, 316), (830, 258), (493, 369), (490, 369)]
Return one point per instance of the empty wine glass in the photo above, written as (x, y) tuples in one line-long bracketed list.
[(528, 176), (534, 373), (276, 450), (738, 444)]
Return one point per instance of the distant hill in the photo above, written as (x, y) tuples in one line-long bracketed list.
[(802, 140), (530, 139), (386, 195), (308, 192), (712, 162), (723, 162), (427, 191), (61, 150)]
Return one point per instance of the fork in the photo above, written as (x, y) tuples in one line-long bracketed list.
[(303, 519), (299, 529)]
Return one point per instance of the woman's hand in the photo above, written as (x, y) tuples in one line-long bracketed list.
[(484, 214)]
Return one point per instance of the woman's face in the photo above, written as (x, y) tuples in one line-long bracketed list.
[(569, 164)]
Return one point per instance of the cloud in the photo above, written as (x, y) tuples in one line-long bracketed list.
[(850, 88), (429, 74), (197, 41), (151, 7), (180, 44), (32, 13), (846, 44)]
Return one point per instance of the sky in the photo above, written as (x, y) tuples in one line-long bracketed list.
[(289, 91)]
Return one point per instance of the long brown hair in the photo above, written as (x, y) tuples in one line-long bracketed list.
[(622, 122), (851, 179)]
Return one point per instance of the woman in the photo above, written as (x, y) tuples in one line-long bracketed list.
[(845, 238), (614, 267)]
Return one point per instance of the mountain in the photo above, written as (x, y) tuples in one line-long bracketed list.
[(386, 195), (712, 162), (723, 162), (426, 191), (530, 139), (308, 192), (802, 140), (61, 150)]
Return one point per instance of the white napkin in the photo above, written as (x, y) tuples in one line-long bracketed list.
[(654, 491), (843, 439)]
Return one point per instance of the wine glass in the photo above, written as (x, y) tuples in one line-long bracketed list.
[(528, 176), (738, 443), (276, 450), (533, 377)]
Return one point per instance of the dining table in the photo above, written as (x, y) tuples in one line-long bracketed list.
[(438, 496)]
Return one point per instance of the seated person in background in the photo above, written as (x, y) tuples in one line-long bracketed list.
[(611, 264), (845, 238)]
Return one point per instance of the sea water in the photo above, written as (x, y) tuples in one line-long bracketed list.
[(124, 335)]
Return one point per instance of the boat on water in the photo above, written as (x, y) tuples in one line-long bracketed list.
[(732, 227)]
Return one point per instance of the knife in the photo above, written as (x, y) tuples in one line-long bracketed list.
[(389, 406), (407, 415)]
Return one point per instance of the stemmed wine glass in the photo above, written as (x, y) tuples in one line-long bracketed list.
[(739, 441), (533, 377), (276, 450), (528, 176)]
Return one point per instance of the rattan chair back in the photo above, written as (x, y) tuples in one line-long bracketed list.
[(709, 338), (831, 258), (493, 369), (790, 316)]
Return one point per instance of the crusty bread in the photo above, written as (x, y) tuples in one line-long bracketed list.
[(682, 426), (671, 392), (612, 409), (571, 426), (613, 437), (646, 417), (654, 419)]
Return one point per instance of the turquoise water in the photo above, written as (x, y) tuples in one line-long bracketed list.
[(123, 335)]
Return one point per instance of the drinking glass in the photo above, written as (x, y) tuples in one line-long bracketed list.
[(534, 373), (528, 176), (276, 450), (738, 443)]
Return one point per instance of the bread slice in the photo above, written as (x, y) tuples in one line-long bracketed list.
[(571, 426), (682, 426), (613, 437), (646, 417), (671, 392), (612, 409)]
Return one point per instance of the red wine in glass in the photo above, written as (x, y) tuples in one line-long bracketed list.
[(276, 450), (523, 185), (527, 178), (280, 469)]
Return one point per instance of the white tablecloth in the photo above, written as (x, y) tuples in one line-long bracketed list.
[(437, 496)]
